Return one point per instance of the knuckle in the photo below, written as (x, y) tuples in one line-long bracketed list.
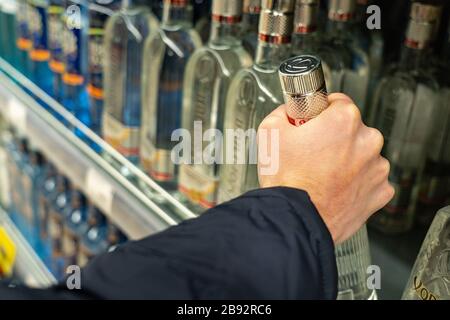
[(270, 122), (352, 113), (389, 192), (377, 139), (385, 168)]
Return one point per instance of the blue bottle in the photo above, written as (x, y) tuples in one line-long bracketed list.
[(23, 39), (55, 25), (39, 53), (32, 175), (97, 21), (94, 240), (125, 35), (75, 53), (58, 206), (8, 9), (75, 226)]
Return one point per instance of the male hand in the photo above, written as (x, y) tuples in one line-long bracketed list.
[(336, 159)]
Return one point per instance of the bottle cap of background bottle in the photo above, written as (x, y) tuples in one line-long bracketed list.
[(252, 6), (423, 25), (306, 12), (426, 13), (276, 21), (341, 10), (304, 89), (227, 11)]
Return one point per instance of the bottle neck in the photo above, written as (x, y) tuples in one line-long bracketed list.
[(250, 21), (339, 29), (411, 58), (177, 15), (305, 42), (270, 55), (224, 33)]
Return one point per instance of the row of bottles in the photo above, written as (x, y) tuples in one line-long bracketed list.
[(56, 218)]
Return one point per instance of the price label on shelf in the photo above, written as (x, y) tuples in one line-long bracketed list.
[(17, 114), (99, 189), (7, 253)]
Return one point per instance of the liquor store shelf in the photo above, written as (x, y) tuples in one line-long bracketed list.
[(118, 192), (28, 267)]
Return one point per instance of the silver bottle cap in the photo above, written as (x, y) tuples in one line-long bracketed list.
[(252, 6), (423, 25), (304, 89), (276, 21), (341, 10), (306, 15), (426, 13), (227, 11)]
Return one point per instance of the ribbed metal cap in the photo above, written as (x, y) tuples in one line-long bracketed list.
[(304, 89), (252, 6), (276, 21), (306, 16), (341, 10), (227, 10)]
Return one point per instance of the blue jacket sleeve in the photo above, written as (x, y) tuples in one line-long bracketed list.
[(266, 244)]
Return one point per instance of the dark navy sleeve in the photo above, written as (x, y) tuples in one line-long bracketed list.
[(266, 244)]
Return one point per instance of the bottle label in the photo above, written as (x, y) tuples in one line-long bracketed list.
[(198, 187), (157, 162), (70, 246), (55, 231), (96, 53), (124, 139), (23, 35), (55, 38), (38, 31)]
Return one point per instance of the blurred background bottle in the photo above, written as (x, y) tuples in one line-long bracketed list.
[(23, 38), (208, 76), (404, 107), (250, 22), (165, 56), (126, 32), (8, 12), (55, 45)]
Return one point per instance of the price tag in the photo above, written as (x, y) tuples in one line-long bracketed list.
[(97, 187), (7, 253), (17, 114)]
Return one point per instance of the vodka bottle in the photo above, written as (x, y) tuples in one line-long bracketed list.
[(434, 185), (430, 276), (253, 94), (250, 21), (75, 58), (98, 16), (341, 35), (405, 105), (39, 53), (308, 39), (8, 11), (74, 227), (165, 56), (23, 40), (208, 75), (305, 94), (125, 36), (55, 42)]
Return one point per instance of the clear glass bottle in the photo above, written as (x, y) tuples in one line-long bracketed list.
[(98, 15), (75, 57), (94, 240), (166, 54), (39, 53), (430, 276), (125, 36), (208, 76), (8, 11), (74, 227), (55, 42), (58, 206), (309, 39), (250, 21), (23, 39), (405, 106), (253, 94), (434, 184), (341, 35)]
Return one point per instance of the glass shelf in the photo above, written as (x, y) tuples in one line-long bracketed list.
[(129, 197), (30, 270)]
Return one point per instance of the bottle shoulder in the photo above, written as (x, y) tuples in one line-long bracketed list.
[(229, 58)]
